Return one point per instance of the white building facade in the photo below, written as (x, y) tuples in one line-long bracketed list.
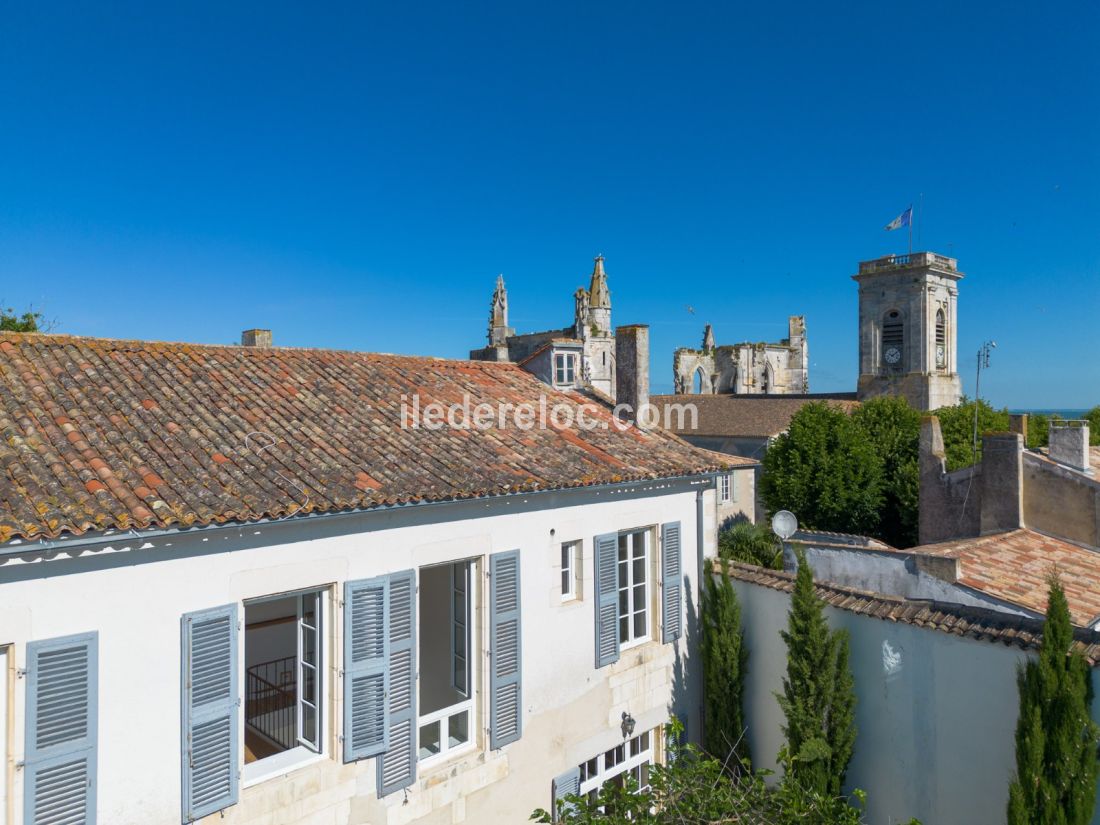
[(435, 662)]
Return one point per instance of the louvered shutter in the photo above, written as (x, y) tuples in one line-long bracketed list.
[(569, 783), (60, 779), (505, 650), (607, 599), (671, 583), (397, 766), (211, 704), (366, 679)]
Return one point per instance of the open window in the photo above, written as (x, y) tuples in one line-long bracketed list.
[(635, 558), (284, 681), (446, 706)]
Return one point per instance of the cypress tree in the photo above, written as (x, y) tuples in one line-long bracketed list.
[(724, 661), (1056, 739), (818, 698)]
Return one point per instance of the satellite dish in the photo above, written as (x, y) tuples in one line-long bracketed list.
[(784, 524)]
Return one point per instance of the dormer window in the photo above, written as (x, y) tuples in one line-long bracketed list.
[(565, 368)]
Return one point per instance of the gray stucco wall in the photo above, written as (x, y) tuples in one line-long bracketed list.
[(936, 713)]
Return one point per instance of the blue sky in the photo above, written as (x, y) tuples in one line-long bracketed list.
[(356, 176)]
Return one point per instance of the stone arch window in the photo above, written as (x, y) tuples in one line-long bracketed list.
[(893, 338), (941, 339), (767, 380), (698, 381)]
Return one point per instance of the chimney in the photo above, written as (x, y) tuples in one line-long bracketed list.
[(1002, 479), (1069, 444), (256, 338), (1017, 423), (632, 375)]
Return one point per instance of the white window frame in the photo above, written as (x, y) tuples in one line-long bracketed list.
[(304, 753), (468, 706), (634, 756), (636, 604), (444, 716), (5, 729), (460, 659), (565, 368), (725, 487), (570, 570)]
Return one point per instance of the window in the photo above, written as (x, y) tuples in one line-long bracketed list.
[(446, 706), (725, 486), (564, 365), (634, 555), (283, 680), (570, 567), (632, 759)]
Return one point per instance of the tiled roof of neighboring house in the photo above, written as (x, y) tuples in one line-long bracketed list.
[(1014, 566), (743, 416), (958, 620), (100, 434)]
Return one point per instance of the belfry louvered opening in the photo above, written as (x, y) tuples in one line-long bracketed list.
[(446, 708)]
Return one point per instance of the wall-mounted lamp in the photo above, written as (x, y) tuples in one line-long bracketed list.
[(627, 725)]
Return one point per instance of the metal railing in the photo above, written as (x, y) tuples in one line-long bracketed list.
[(271, 697)]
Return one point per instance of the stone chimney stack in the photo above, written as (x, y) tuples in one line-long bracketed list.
[(1017, 423), (1069, 444), (632, 374), (256, 338), (1002, 480)]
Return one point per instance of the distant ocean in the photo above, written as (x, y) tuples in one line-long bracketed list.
[(1062, 413)]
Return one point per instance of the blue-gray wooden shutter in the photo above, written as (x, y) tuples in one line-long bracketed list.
[(607, 598), (60, 758), (671, 583), (505, 650), (366, 677), (569, 783), (397, 766), (211, 704)]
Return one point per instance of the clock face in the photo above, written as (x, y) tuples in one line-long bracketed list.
[(941, 356), (892, 355)]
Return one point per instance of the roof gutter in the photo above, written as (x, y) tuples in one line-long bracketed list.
[(86, 541)]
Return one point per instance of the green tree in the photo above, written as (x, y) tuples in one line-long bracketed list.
[(825, 471), (694, 788), (957, 425), (1093, 417), (10, 321), (818, 698), (725, 658), (750, 543), (893, 428), (1056, 739)]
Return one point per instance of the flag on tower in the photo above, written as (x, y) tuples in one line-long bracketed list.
[(904, 219)]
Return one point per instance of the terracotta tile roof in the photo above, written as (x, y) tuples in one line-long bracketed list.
[(745, 416), (958, 620), (100, 434), (1014, 566)]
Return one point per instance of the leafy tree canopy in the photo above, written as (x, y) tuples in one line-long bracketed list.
[(11, 321)]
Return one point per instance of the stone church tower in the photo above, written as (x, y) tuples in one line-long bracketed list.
[(908, 324), (591, 334)]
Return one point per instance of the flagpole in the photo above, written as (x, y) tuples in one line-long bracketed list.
[(910, 230), (920, 218)]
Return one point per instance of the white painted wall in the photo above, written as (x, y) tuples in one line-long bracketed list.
[(936, 713), (571, 710)]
